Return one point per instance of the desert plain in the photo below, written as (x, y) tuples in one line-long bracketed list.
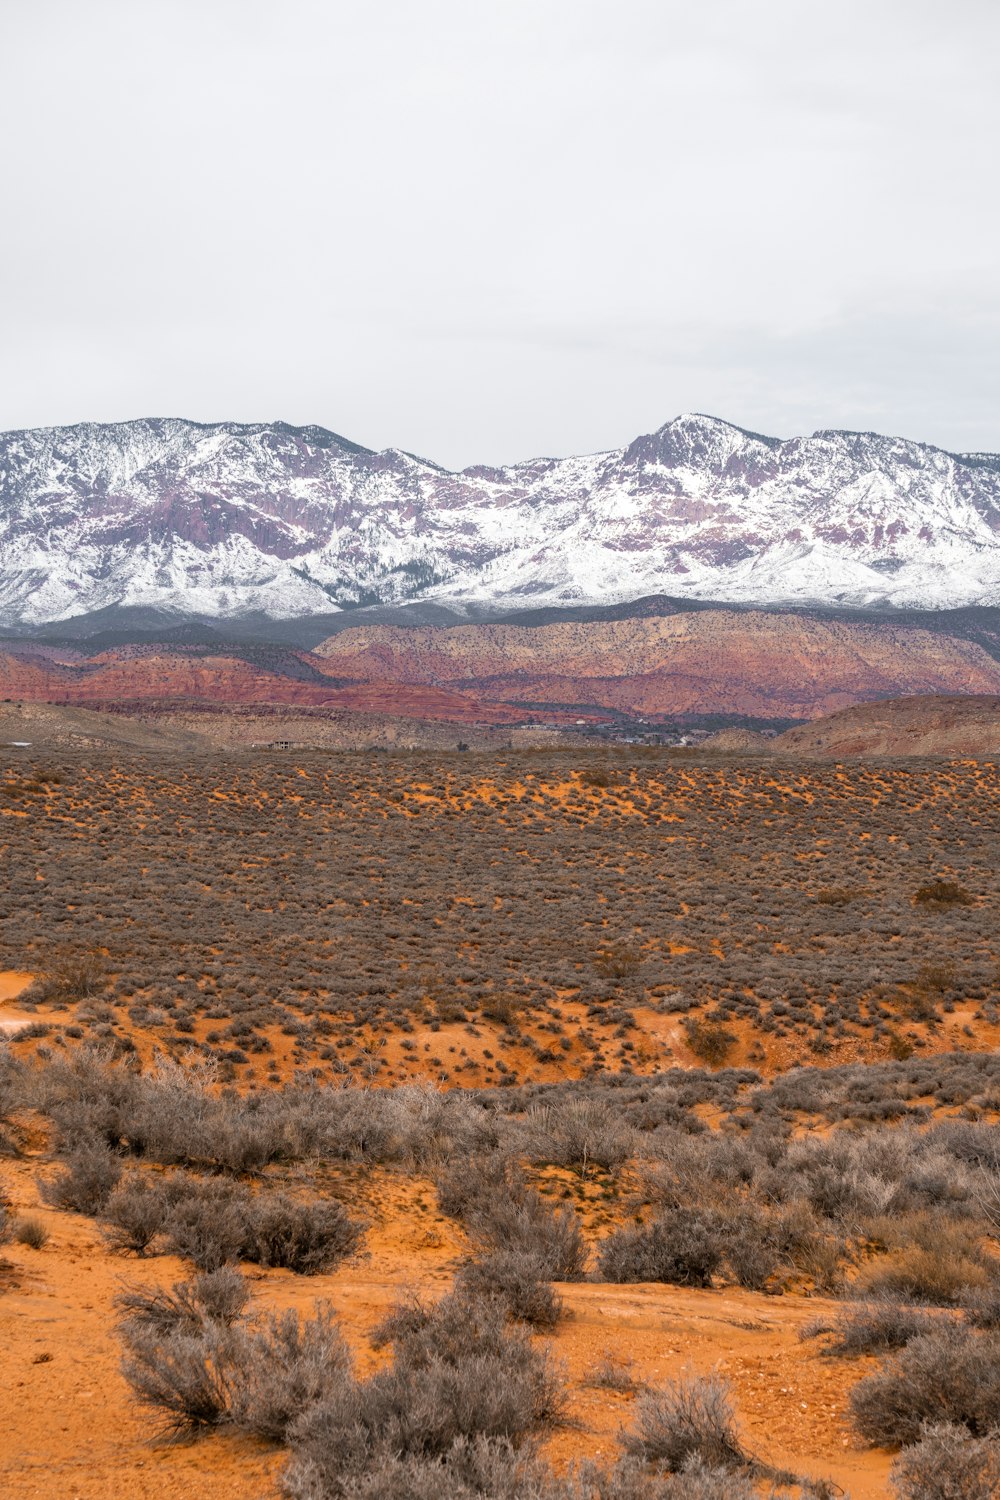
[(678, 1066)]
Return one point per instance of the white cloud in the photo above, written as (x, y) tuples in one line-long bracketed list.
[(482, 231)]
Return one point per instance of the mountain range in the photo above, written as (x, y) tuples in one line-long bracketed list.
[(230, 520), (654, 664)]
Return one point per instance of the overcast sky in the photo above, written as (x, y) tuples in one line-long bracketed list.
[(487, 229)]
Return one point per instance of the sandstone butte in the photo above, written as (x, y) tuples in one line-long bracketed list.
[(756, 663), (947, 725)]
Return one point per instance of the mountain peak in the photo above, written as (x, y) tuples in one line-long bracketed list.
[(230, 518)]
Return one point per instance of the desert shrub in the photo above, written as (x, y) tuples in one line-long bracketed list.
[(873, 1327), (981, 1305), (680, 1249), (598, 776), (80, 977), (427, 1409), (205, 1221), (922, 1275), (456, 1333), (284, 1366), (86, 1181), (942, 893), (515, 1278), (757, 1242), (580, 1133), (177, 1119), (838, 895), (215, 1222), (709, 1040), (613, 1372), (29, 1230), (214, 1297), (687, 1421), (189, 1357), (617, 961), (551, 1236), (469, 1186), (185, 1377), (302, 1237), (87, 1099), (134, 1214), (951, 1375), (947, 1464), (937, 976), (459, 1379), (474, 1470)]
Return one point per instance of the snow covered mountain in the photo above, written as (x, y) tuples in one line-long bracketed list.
[(226, 519)]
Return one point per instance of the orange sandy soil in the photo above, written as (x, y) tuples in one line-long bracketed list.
[(12, 982), (446, 1055), (71, 1429), (519, 798)]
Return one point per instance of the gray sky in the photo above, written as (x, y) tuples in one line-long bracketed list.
[(486, 229)]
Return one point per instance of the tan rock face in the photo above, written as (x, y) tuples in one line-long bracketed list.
[(716, 661), (936, 726), (757, 663)]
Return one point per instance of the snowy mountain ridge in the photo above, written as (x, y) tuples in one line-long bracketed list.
[(228, 518)]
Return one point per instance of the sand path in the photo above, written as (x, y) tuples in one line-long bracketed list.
[(12, 983), (71, 1430)]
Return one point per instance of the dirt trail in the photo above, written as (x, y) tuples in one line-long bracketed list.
[(70, 1428), (12, 984)]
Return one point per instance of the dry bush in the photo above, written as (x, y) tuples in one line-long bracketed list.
[(458, 1376), (86, 1181), (930, 1260), (29, 1230), (205, 1222), (709, 1040), (684, 1421), (466, 1187), (80, 977), (582, 1133), (285, 1366), (981, 1305), (302, 1237), (552, 1237), (613, 1372), (185, 1378), (951, 1375), (942, 893), (191, 1359), (681, 1250), (134, 1214), (216, 1222), (947, 1464), (214, 1297), (470, 1470), (876, 1326), (839, 895), (919, 1274), (618, 961), (517, 1280)]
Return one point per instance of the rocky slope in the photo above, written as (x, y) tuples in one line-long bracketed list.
[(762, 665), (226, 519), (112, 678), (754, 664), (937, 726)]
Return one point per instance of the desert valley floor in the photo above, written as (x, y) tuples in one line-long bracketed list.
[(708, 1040)]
